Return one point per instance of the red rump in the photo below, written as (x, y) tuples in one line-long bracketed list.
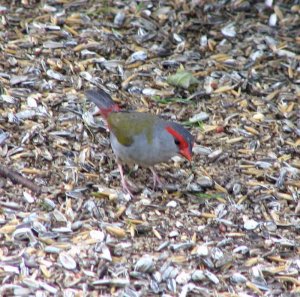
[(106, 111)]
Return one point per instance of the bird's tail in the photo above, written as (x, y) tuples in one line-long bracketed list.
[(103, 101)]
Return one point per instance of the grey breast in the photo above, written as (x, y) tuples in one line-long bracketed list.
[(144, 152)]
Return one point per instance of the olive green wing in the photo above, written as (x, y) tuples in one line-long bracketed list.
[(126, 125)]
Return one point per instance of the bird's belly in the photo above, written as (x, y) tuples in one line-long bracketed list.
[(143, 154)]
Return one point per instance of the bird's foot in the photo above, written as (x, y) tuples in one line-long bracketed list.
[(126, 188), (156, 179)]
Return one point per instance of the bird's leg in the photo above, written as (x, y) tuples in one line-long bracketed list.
[(156, 179), (123, 181)]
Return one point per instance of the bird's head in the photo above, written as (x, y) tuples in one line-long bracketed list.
[(183, 140)]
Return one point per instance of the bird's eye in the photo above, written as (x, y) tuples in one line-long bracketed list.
[(176, 141)]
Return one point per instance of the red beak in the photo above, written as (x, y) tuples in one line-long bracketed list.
[(186, 153)]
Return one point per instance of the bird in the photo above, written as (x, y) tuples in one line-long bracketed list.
[(140, 138)]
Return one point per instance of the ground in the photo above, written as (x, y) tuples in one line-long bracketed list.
[(226, 224)]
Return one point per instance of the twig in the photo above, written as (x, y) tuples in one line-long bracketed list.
[(16, 178)]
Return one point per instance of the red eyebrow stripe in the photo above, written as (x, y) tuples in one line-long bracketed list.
[(182, 142)]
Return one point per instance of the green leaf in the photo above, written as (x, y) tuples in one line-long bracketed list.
[(194, 124), (183, 79)]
